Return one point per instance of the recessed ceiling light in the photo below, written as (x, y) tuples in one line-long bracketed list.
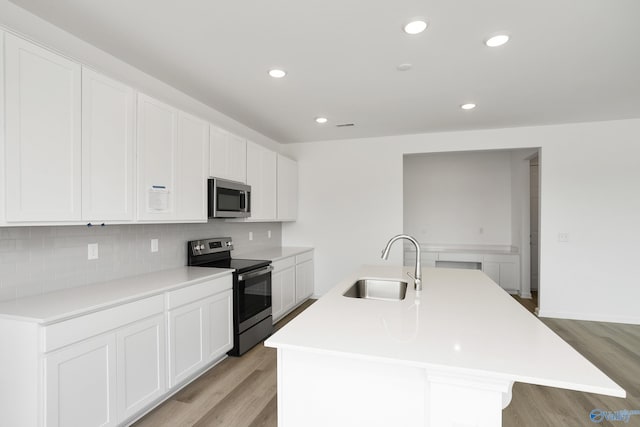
[(468, 106), (321, 120), (497, 40), (276, 73), (404, 67), (416, 26)]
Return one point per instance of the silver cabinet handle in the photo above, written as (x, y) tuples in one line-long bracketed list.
[(256, 273)]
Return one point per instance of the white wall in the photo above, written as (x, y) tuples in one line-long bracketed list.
[(458, 198), (351, 203)]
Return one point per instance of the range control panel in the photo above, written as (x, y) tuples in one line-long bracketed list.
[(211, 246)]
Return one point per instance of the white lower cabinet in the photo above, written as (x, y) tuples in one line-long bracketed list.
[(80, 384), (304, 281), (283, 290), (291, 283), (200, 331), (106, 367), (140, 350), (219, 310)]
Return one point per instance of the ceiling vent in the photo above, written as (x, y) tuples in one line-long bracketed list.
[(345, 125)]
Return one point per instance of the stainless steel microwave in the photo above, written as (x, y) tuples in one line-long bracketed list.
[(229, 199)]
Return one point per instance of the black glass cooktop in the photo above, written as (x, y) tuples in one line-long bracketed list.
[(240, 265)]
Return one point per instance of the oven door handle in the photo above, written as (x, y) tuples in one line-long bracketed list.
[(249, 275)]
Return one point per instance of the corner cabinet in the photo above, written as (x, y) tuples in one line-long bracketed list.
[(287, 197), (43, 145)]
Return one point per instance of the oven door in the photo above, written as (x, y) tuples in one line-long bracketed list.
[(253, 297)]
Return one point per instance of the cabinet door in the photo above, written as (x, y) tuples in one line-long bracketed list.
[(509, 276), (80, 384), (277, 309), (193, 152), (219, 311), (107, 149), (288, 289), (187, 346), (261, 175), (492, 269), (43, 153), (304, 280), (157, 146), (141, 365), (2, 142), (287, 193), (228, 155)]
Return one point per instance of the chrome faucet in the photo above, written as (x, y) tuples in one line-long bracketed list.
[(417, 278)]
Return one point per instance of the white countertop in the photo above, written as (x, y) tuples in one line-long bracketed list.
[(273, 254), (462, 322), (67, 303)]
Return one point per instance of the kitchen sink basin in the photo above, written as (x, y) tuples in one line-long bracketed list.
[(388, 290)]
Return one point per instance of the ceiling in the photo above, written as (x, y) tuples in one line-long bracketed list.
[(567, 60)]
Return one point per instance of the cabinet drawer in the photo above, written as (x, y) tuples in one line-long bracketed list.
[(80, 328), (196, 292), (304, 257), (283, 264)]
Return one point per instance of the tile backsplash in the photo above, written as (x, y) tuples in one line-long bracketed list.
[(36, 260)]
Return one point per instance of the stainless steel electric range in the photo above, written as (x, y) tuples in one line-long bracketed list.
[(252, 320)]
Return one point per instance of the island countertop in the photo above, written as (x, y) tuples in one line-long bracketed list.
[(461, 322)]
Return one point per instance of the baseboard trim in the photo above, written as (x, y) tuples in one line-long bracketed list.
[(589, 317)]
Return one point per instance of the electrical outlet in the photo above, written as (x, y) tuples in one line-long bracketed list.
[(154, 245), (563, 237), (251, 235), (92, 251), (268, 234)]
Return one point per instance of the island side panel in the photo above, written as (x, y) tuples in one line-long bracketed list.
[(319, 389)]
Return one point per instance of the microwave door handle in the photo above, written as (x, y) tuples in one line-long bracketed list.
[(251, 274)]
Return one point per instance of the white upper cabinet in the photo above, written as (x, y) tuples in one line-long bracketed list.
[(193, 168), (287, 189), (228, 155), (261, 176), (157, 159), (43, 145), (2, 145), (108, 182)]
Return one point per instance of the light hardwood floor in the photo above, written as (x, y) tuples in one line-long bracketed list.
[(242, 391)]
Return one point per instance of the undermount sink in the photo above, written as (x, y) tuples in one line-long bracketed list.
[(388, 290)]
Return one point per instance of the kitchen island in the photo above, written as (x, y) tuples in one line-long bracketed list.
[(445, 356)]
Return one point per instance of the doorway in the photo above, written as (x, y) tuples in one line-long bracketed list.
[(534, 224)]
